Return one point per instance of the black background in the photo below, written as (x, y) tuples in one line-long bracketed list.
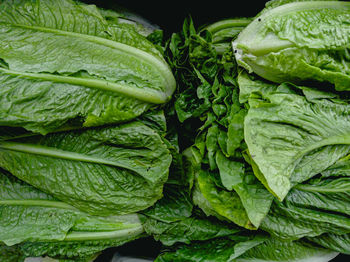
[(169, 16)]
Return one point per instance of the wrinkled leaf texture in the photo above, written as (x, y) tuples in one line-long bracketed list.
[(106, 170), (37, 224), (63, 65)]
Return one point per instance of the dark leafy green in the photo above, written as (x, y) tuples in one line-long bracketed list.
[(317, 206), (62, 65), (107, 170), (243, 249), (38, 224), (293, 133), (299, 42), (207, 101), (232, 168), (339, 243)]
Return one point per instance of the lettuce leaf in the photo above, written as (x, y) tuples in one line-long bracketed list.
[(298, 42), (64, 66), (107, 170), (241, 248), (37, 224), (209, 108), (339, 243), (293, 133)]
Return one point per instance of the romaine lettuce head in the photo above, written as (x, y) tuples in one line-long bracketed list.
[(35, 224), (115, 169), (63, 65), (298, 42)]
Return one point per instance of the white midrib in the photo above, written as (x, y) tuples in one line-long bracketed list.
[(325, 189), (57, 153), (132, 230), (124, 233), (36, 202), (248, 42), (144, 94)]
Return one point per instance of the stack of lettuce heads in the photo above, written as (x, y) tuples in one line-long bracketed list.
[(227, 142), (82, 128)]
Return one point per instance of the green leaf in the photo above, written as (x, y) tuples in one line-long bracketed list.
[(292, 137), (64, 66), (43, 225), (108, 170), (79, 250), (235, 132), (240, 248), (253, 195), (176, 204), (188, 230), (231, 172), (274, 250), (326, 194), (297, 42), (225, 203), (338, 243), (220, 249), (340, 168), (204, 204), (225, 31), (315, 207), (11, 254), (24, 208)]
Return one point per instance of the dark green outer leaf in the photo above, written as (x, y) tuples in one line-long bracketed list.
[(315, 207), (10, 254), (18, 197), (339, 243), (221, 249), (286, 135), (188, 230), (277, 46), (110, 170), (113, 74), (41, 225)]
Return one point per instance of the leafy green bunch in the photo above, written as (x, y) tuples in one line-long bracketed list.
[(226, 142), (82, 128), (270, 158)]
